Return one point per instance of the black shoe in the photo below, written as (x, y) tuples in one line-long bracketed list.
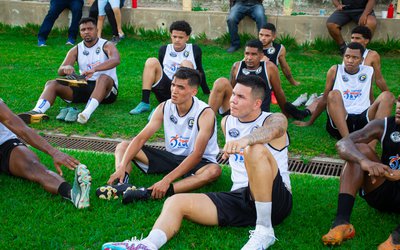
[(295, 112), (232, 49), (109, 192), (33, 117), (135, 194)]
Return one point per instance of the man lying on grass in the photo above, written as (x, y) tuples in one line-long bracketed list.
[(18, 160), (256, 143), (190, 132), (376, 180)]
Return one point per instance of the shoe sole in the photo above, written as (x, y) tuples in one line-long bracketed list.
[(336, 242), (33, 118), (107, 192), (84, 181)]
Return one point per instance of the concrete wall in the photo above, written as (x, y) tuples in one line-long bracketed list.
[(213, 24)]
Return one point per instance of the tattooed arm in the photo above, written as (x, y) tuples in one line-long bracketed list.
[(273, 128)]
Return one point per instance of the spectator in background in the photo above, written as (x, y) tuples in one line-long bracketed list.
[(56, 7), (359, 11), (94, 13), (240, 9), (115, 5)]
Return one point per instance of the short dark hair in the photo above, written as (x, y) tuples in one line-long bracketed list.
[(257, 84), (181, 26), (192, 75), (269, 26), (88, 20), (358, 46), (364, 31), (255, 43)]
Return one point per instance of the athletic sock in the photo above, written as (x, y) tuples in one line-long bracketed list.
[(42, 106), (90, 107), (170, 190), (126, 178), (263, 210), (345, 206), (396, 235), (146, 96), (65, 190), (157, 237)]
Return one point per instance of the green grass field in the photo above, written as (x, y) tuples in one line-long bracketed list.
[(33, 219)]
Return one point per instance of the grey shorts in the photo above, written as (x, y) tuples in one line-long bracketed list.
[(343, 17)]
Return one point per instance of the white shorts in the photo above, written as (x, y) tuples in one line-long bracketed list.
[(101, 4)]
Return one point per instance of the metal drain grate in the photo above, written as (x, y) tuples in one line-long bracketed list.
[(322, 167)]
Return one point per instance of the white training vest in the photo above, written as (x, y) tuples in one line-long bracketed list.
[(5, 133), (236, 130), (355, 88), (181, 132), (365, 56), (93, 56), (173, 59)]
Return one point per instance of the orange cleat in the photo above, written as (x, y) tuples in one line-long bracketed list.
[(338, 234), (388, 245), (273, 98)]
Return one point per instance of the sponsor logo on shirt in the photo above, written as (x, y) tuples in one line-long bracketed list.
[(395, 136), (239, 157), (352, 94), (394, 162), (190, 122), (85, 52), (173, 54), (233, 132), (98, 50), (345, 78), (173, 119), (186, 53), (362, 77), (179, 142), (270, 50), (254, 128)]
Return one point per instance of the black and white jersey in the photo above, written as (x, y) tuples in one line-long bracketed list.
[(261, 71), (89, 58), (234, 130), (180, 132), (391, 144), (273, 53)]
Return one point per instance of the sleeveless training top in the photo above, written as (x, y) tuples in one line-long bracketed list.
[(173, 59), (236, 130), (391, 144), (5, 133), (90, 57), (181, 131), (273, 53), (355, 88), (261, 71)]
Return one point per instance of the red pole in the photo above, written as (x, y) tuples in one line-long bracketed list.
[(134, 4)]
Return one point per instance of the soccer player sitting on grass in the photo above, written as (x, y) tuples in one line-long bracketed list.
[(190, 132), (377, 180), (256, 143), (158, 72), (97, 60), (18, 160), (348, 96)]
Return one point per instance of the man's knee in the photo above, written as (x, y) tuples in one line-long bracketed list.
[(211, 173), (175, 203), (221, 84), (104, 81), (151, 62), (255, 153), (332, 26), (52, 84), (334, 96), (387, 97), (122, 146), (187, 64)]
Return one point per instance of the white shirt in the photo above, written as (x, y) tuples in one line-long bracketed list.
[(173, 59)]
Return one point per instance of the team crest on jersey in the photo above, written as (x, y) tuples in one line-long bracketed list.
[(186, 53), (271, 51), (394, 162), (173, 54), (345, 78), (254, 128), (234, 133), (179, 142), (190, 122), (245, 71), (362, 77), (352, 94), (97, 50), (85, 53), (395, 136), (173, 119), (258, 71)]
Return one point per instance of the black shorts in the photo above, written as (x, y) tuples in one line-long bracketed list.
[(343, 17), (237, 208), (5, 152), (162, 88), (163, 162), (82, 94), (385, 198), (354, 122)]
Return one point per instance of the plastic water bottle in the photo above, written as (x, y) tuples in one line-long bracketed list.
[(390, 11)]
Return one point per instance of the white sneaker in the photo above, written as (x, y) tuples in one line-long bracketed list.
[(312, 98), (260, 239), (300, 100), (81, 188), (129, 244), (82, 119)]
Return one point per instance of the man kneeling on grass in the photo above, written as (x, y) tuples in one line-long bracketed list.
[(190, 131), (256, 143), (18, 160), (376, 180)]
